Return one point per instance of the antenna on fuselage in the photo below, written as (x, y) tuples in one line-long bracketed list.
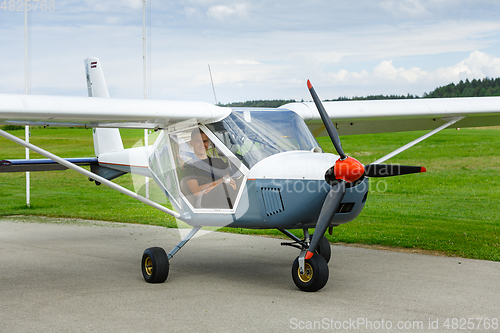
[(213, 87)]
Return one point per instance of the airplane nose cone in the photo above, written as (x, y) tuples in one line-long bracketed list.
[(348, 169)]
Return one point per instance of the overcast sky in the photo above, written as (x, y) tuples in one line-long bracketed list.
[(256, 49)]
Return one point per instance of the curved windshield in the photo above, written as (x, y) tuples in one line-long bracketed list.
[(253, 135)]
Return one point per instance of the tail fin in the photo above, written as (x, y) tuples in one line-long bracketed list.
[(106, 140)]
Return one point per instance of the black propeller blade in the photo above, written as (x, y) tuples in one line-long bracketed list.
[(330, 206), (388, 170), (330, 128)]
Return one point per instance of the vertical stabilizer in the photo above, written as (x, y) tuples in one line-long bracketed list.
[(106, 140)]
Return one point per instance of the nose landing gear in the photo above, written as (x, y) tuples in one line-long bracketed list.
[(314, 272), (314, 276)]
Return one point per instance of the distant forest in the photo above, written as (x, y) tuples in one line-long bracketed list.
[(261, 103), (474, 88)]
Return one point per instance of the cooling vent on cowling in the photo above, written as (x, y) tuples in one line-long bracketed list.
[(345, 207), (273, 203)]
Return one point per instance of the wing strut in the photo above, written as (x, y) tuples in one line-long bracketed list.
[(423, 137), (87, 173)]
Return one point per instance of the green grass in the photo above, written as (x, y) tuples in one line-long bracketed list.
[(453, 207)]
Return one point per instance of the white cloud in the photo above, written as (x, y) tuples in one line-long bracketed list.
[(111, 5), (408, 8), (222, 12), (386, 71), (246, 62), (388, 79), (346, 76), (477, 65)]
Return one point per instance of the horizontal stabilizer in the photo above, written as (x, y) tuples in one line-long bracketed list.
[(42, 164)]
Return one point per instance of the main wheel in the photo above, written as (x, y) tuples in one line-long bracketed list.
[(315, 273), (324, 249), (155, 265)]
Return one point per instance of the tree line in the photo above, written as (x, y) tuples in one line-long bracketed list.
[(474, 88)]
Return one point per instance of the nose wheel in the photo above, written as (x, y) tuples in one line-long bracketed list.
[(314, 276)]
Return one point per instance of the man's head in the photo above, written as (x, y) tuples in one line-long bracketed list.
[(199, 142)]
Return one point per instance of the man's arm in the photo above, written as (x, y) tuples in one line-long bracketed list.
[(197, 190)]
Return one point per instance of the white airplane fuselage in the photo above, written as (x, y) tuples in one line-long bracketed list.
[(284, 190)]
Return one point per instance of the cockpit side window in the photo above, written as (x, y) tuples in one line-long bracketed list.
[(207, 178)]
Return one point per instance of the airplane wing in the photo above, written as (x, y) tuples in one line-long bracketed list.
[(350, 117), (381, 116), (103, 112)]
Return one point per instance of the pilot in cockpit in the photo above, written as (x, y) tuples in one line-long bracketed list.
[(208, 178)]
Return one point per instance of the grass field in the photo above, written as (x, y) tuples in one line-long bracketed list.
[(453, 208)]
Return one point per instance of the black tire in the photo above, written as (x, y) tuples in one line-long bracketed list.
[(155, 265), (324, 249), (315, 275)]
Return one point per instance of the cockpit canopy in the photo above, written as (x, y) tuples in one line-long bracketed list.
[(205, 166), (253, 135)]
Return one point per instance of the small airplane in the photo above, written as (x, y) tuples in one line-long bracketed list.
[(239, 167)]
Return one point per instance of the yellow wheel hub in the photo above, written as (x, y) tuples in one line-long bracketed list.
[(148, 266), (308, 273)]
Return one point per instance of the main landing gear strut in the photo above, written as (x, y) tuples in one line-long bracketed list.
[(155, 263), (309, 274)]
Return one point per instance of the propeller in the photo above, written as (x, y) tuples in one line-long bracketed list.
[(344, 173)]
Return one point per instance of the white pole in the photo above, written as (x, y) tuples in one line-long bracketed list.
[(27, 135), (26, 90), (144, 70), (144, 85)]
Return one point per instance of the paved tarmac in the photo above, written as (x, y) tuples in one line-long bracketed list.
[(84, 276)]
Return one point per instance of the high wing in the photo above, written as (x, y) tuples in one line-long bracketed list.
[(350, 117), (381, 116), (103, 112)]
